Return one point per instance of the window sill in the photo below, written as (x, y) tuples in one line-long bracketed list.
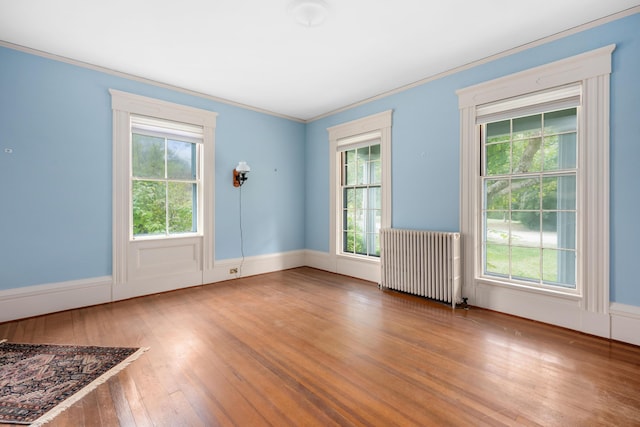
[(363, 258), (569, 294), (164, 237)]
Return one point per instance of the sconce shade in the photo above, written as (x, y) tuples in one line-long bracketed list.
[(243, 167)]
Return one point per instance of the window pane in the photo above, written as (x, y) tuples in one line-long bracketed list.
[(525, 263), (362, 157), (360, 243), (525, 228), (499, 131), (498, 159), (345, 219), (360, 221), (370, 221), (349, 220), (147, 156), (525, 194), (559, 193), (181, 160), (182, 205), (560, 152), (559, 230), (375, 239), (377, 218), (526, 155), (350, 167), (349, 198), (348, 241), (527, 127), (496, 194), (149, 207), (560, 121), (375, 200), (525, 223), (375, 168), (360, 198), (559, 267), (496, 259), (497, 227)]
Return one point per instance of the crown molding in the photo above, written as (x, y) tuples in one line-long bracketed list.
[(539, 42), (145, 80), (503, 54)]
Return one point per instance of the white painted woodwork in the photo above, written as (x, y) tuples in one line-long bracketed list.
[(367, 268), (48, 298), (150, 265), (585, 309)]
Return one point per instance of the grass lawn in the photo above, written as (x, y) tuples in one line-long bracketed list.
[(525, 262)]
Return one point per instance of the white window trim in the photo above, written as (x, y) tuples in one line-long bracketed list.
[(124, 104), (364, 267), (587, 310)]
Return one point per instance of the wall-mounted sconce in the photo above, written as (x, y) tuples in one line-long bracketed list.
[(240, 174)]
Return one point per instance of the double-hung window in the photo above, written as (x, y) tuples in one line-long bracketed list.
[(535, 192), (360, 193), (529, 179), (165, 177), (361, 184)]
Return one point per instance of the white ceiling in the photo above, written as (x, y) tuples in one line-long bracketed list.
[(252, 52)]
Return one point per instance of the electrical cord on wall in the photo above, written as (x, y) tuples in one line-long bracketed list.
[(241, 236)]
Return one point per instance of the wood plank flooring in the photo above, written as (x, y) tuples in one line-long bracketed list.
[(306, 347)]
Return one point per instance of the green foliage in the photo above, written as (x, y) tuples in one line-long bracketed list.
[(519, 146), (181, 196), (161, 206), (149, 207)]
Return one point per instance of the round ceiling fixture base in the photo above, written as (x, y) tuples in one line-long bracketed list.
[(309, 13)]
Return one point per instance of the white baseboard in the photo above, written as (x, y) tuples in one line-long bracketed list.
[(31, 301), (362, 269), (155, 285), (346, 265), (598, 324), (622, 323), (564, 311), (559, 311), (625, 323), (252, 266), (320, 260)]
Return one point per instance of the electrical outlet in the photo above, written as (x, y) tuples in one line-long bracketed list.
[(233, 271)]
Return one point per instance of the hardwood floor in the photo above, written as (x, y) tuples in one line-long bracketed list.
[(306, 347)]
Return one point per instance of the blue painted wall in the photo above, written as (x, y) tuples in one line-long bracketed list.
[(55, 188), (426, 152)]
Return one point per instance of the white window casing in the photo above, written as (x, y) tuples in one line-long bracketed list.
[(582, 78), (171, 262), (369, 130)]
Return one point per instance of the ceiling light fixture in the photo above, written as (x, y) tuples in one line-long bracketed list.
[(309, 13)]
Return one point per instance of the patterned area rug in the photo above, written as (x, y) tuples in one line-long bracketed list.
[(38, 381)]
